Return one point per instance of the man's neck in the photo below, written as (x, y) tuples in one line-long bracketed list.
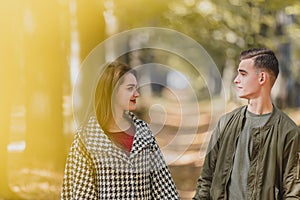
[(259, 107)]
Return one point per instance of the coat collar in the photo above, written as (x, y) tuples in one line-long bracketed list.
[(97, 141)]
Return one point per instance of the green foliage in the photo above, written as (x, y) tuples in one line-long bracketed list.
[(226, 27), (223, 28)]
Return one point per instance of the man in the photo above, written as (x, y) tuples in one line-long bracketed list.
[(254, 152)]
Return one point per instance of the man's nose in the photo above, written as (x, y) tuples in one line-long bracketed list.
[(236, 80)]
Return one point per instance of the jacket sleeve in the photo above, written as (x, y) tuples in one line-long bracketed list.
[(79, 175), (162, 184), (208, 168), (291, 163)]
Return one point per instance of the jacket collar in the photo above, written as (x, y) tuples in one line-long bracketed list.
[(273, 118)]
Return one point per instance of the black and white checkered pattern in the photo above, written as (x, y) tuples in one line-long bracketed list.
[(98, 169)]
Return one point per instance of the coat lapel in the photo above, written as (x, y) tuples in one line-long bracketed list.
[(143, 136), (98, 142)]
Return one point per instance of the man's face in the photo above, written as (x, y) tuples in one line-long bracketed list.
[(247, 80)]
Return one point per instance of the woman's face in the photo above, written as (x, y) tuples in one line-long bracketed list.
[(126, 94)]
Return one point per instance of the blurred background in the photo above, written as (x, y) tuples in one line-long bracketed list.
[(43, 44)]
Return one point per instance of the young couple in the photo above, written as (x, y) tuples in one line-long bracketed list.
[(254, 151)]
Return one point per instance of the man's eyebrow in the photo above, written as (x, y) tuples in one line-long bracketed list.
[(242, 71)]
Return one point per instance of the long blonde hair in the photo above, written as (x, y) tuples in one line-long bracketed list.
[(108, 82)]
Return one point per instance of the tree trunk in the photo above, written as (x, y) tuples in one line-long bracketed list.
[(9, 77), (44, 60)]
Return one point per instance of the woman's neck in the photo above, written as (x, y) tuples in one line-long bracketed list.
[(119, 123)]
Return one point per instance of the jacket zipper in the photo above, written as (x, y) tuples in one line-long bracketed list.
[(257, 165), (298, 167)]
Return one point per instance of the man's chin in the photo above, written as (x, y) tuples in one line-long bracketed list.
[(242, 96), (132, 109)]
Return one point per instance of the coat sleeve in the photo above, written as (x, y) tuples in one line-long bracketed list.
[(79, 175), (162, 184), (291, 162), (205, 180)]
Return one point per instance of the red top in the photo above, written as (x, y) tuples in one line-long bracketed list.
[(123, 139)]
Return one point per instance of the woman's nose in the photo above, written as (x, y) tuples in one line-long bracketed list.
[(136, 93)]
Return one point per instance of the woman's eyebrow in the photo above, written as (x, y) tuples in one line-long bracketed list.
[(131, 84)]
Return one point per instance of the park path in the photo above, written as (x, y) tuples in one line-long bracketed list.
[(181, 128)]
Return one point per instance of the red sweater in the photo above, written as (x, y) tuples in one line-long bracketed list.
[(123, 139)]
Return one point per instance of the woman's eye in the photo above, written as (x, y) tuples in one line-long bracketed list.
[(130, 89)]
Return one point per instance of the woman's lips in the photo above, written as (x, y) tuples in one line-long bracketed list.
[(133, 100)]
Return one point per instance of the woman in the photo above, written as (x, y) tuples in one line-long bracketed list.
[(115, 155)]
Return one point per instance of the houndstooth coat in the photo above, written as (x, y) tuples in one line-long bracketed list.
[(98, 169)]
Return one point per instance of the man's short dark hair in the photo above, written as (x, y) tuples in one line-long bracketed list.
[(263, 59)]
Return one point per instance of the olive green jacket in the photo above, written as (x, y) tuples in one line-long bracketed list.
[(274, 163)]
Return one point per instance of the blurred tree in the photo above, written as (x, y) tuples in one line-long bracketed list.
[(137, 13), (91, 28), (44, 58), (225, 28), (230, 24), (132, 14), (9, 75), (90, 32), (36, 44), (222, 28)]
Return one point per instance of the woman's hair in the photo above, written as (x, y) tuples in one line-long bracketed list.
[(109, 81)]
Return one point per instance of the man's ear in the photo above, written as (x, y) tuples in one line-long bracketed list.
[(263, 77)]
